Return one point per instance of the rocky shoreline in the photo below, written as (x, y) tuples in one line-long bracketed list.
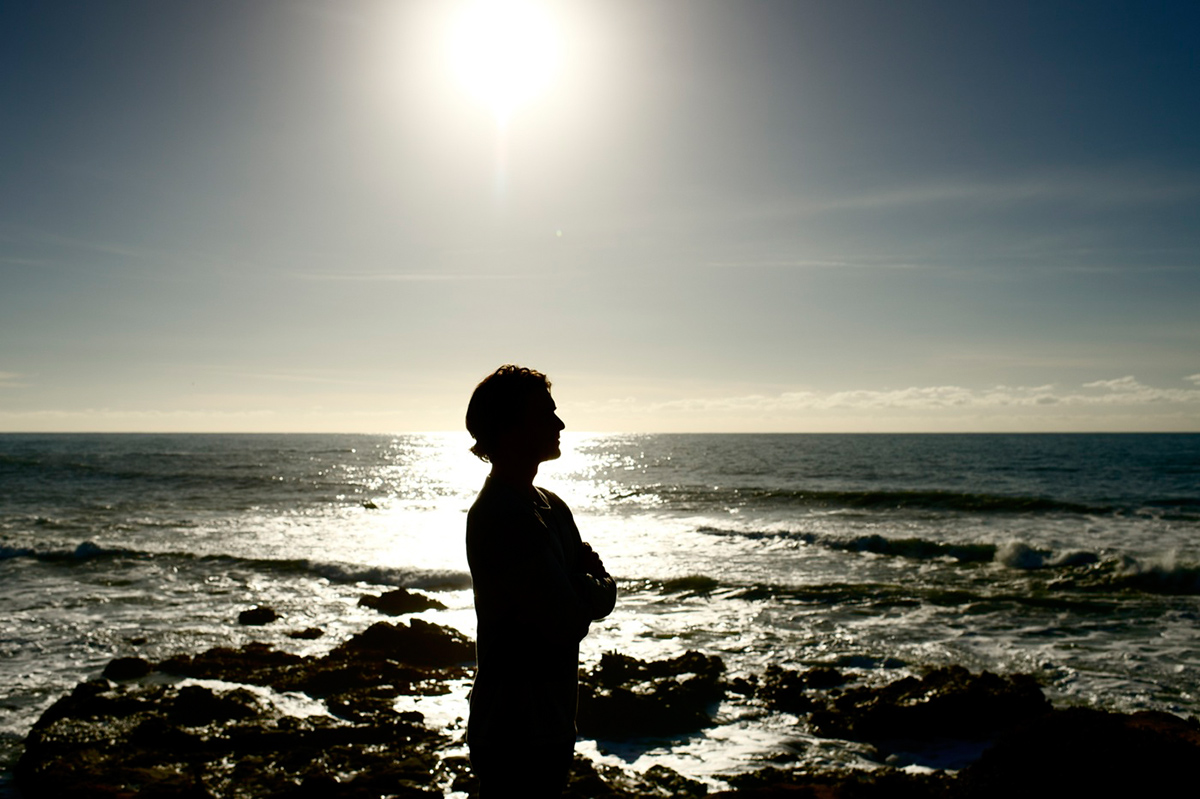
[(224, 723)]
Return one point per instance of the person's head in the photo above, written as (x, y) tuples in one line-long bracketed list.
[(512, 415)]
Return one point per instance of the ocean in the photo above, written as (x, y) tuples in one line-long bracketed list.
[(1072, 557)]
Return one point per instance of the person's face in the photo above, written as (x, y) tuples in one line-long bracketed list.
[(537, 435)]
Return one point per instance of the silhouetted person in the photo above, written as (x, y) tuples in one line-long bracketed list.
[(537, 588)]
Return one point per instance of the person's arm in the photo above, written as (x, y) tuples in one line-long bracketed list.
[(519, 580), (598, 585), (596, 588)]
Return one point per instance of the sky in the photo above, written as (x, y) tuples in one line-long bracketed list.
[(694, 216)]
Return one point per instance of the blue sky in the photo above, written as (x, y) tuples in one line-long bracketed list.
[(784, 216)]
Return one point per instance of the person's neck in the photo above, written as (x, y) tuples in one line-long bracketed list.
[(516, 475)]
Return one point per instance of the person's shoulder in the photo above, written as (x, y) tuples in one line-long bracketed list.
[(551, 497), (487, 502), (556, 502), (495, 504)]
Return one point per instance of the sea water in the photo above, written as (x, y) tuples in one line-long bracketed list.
[(1072, 557)]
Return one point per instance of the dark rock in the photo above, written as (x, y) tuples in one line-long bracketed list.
[(126, 668), (625, 697), (169, 740), (584, 782), (191, 741), (1085, 752), (400, 601), (421, 644), (307, 634), (362, 704), (91, 700), (254, 664), (790, 691), (743, 686), (884, 783), (949, 702), (463, 779), (673, 784), (157, 733), (785, 690), (824, 677), (257, 616), (155, 740), (195, 706), (342, 674), (396, 659)]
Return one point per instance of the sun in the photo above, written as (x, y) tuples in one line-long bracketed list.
[(504, 52)]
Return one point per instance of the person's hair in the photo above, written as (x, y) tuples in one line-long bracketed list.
[(497, 403)]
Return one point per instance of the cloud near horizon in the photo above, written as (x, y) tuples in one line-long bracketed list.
[(1098, 405), (1123, 391)]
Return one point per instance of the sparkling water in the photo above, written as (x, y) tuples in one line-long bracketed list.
[(1073, 557)]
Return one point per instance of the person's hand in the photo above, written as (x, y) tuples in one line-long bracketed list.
[(590, 562)]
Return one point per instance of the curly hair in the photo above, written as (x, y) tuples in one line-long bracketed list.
[(496, 403)]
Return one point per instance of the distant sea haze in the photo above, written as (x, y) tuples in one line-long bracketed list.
[(1072, 557)]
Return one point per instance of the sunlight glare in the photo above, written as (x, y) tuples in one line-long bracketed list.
[(504, 52)]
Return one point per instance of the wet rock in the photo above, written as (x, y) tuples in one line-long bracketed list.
[(341, 673), (588, 781), (155, 740), (585, 782), (131, 668), (254, 664), (195, 706), (90, 700), (670, 783), (463, 779), (1086, 752), (824, 677), (399, 659), (949, 702), (625, 697), (190, 741), (363, 704), (790, 691), (421, 643), (400, 601), (743, 686), (773, 783), (785, 690), (307, 634), (257, 616)]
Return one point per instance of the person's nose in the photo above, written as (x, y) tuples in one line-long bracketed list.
[(559, 422)]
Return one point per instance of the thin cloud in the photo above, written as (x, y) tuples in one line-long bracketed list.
[(403, 277), (15, 261), (302, 377), (817, 263), (151, 259), (12, 380), (1095, 189), (1127, 383), (1123, 391), (103, 413)]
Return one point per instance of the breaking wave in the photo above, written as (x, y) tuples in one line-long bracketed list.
[(88, 551), (932, 500), (1071, 569)]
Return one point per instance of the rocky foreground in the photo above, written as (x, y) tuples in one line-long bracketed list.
[(144, 729)]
